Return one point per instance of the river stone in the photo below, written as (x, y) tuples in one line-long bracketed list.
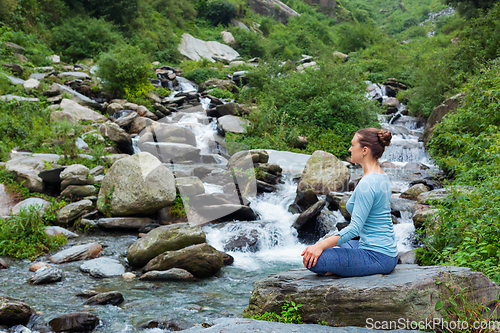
[(232, 124), (229, 109), (324, 173), (165, 238), (246, 159), (78, 111), (161, 132), (55, 230), (26, 170), (246, 240), (138, 184), (189, 186), (439, 194), (10, 97), (426, 214), (227, 258), (227, 212), (78, 252), (74, 170), (77, 180), (74, 75), (14, 311), (273, 8), (78, 191), (201, 260), (309, 215), (175, 152), (195, 49), (74, 322), (46, 275), (3, 263), (36, 266), (73, 211), (111, 159), (125, 223), (111, 297), (103, 267), (139, 124), (126, 120), (304, 200), (117, 134), (37, 203), (415, 166), (173, 274), (76, 96), (413, 192), (409, 292)]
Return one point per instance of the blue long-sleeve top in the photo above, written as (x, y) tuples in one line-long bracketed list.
[(370, 209)]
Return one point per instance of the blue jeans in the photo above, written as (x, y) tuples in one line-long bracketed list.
[(349, 260)]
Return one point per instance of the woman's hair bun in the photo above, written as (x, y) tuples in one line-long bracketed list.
[(384, 137)]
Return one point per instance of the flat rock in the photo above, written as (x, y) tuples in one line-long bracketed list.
[(413, 192), (189, 186), (167, 151), (110, 297), (10, 97), (38, 265), (79, 191), (232, 124), (74, 75), (46, 275), (73, 211), (77, 97), (26, 170), (125, 223), (31, 203), (55, 230), (74, 322), (173, 274), (74, 170), (77, 252), (14, 311), (103, 267), (404, 293), (77, 111), (195, 49)]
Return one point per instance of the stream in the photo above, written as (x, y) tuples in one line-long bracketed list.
[(227, 293)]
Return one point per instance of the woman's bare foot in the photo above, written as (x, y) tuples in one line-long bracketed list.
[(328, 274)]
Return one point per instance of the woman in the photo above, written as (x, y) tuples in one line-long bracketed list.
[(370, 209)]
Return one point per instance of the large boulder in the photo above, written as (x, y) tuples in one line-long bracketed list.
[(74, 322), (409, 292), (272, 8), (78, 111), (232, 124), (195, 49), (76, 96), (168, 151), (73, 211), (173, 274), (324, 173), (426, 214), (160, 132), (117, 134), (189, 186), (229, 109), (46, 275), (26, 170), (450, 105), (201, 260), (14, 311), (166, 238), (78, 252), (139, 184), (413, 192), (31, 203)]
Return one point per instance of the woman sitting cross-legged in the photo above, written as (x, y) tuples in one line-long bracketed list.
[(370, 208)]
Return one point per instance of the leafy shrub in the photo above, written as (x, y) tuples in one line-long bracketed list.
[(221, 93), (36, 50), (250, 44), (83, 37), (200, 75), (290, 314), (220, 11), (124, 67)]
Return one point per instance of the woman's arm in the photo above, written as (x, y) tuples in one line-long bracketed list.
[(312, 253)]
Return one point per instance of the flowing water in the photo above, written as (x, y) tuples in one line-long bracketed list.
[(227, 293)]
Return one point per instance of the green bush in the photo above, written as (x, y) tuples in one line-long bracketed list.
[(200, 75), (220, 11), (250, 44), (83, 37), (124, 68), (289, 314)]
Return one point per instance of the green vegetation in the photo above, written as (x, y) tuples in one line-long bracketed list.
[(289, 315), (23, 236), (467, 146)]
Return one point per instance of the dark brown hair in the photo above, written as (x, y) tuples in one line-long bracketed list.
[(374, 139)]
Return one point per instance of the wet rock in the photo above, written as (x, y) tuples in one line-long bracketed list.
[(87, 293), (309, 215), (303, 201), (263, 187), (74, 322), (404, 293), (73, 211), (165, 238), (126, 120), (4, 264), (173, 274), (111, 297), (227, 258), (36, 266), (176, 152), (324, 173), (14, 311), (195, 49), (413, 192), (429, 182), (334, 200), (46, 275), (139, 184), (189, 186), (78, 252), (128, 276), (201, 260), (227, 212), (103, 267), (246, 159), (79, 191), (160, 132), (37, 203), (164, 325), (244, 241), (54, 231), (26, 170), (232, 124), (118, 135), (415, 166), (125, 223), (388, 164), (77, 111)]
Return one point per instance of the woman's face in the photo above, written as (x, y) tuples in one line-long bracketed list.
[(356, 150)]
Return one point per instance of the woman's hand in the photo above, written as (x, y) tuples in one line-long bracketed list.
[(311, 255)]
